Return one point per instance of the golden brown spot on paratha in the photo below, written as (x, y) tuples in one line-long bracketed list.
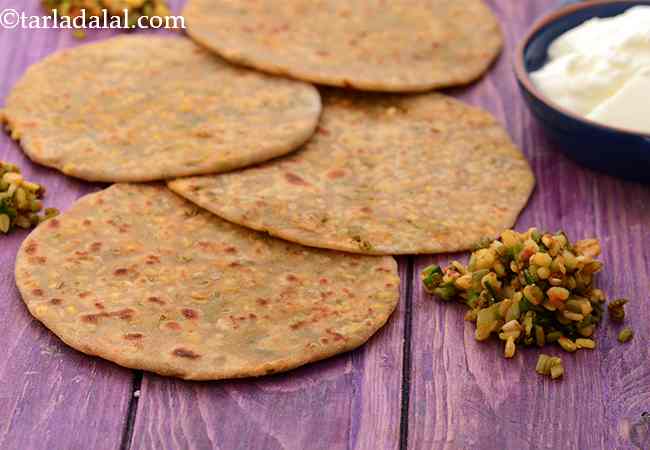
[(156, 300), (189, 313), (335, 174), (294, 179), (185, 353), (337, 336), (175, 326), (234, 322), (38, 260), (152, 259), (32, 248), (205, 245), (133, 336), (91, 318), (122, 314)]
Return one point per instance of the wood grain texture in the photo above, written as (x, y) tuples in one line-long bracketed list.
[(351, 401), (51, 397), (464, 394)]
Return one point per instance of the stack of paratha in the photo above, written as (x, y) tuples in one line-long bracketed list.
[(148, 279)]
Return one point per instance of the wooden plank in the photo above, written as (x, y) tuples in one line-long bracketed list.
[(50, 395), (464, 394), (351, 401)]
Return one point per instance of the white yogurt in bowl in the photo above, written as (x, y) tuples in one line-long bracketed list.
[(601, 70)]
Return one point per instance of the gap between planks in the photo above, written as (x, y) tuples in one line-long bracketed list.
[(132, 411), (406, 356)]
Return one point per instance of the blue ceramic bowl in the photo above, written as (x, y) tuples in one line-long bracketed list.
[(608, 149)]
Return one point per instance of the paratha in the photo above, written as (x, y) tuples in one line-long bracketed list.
[(141, 108), (383, 175), (376, 45), (139, 276)]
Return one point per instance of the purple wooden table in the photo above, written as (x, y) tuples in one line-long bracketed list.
[(421, 383)]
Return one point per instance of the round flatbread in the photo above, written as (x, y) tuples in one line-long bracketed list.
[(375, 45), (143, 278), (140, 108), (383, 175)]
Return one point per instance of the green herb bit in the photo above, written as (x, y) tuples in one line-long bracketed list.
[(446, 291), (616, 310), (553, 336), (431, 278), (625, 335), (531, 278)]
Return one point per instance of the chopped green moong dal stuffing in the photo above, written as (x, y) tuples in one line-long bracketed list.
[(20, 200), (528, 288)]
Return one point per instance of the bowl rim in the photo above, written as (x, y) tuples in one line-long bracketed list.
[(523, 76)]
